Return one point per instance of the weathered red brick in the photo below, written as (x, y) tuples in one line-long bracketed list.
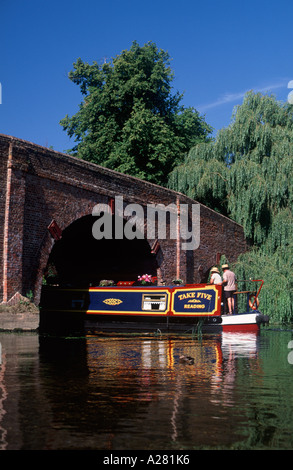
[(47, 185)]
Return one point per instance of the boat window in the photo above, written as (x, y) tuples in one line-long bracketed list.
[(154, 302)]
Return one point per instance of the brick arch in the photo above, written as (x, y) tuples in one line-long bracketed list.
[(81, 260), (62, 220), (38, 185)]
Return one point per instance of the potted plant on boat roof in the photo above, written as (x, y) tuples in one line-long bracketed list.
[(145, 279), (177, 281), (106, 282)]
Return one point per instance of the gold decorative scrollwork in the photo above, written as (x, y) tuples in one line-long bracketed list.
[(112, 301)]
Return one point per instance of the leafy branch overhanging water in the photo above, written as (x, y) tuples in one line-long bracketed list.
[(246, 174)]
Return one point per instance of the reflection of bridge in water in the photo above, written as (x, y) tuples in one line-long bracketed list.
[(124, 391), (175, 388)]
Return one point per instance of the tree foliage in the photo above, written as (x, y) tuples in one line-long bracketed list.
[(247, 174), (130, 120)]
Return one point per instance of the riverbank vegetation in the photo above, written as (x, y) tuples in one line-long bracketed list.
[(246, 174), (131, 120), (19, 307)]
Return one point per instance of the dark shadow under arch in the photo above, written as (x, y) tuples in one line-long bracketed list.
[(78, 259)]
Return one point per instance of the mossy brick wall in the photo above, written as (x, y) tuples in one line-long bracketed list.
[(39, 185)]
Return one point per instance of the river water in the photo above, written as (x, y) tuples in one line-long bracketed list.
[(128, 392)]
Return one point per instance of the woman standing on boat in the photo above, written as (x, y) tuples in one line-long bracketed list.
[(229, 283), (215, 277)]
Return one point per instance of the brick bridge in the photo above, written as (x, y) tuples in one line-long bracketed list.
[(46, 220)]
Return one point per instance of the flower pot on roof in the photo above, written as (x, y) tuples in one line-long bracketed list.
[(145, 279)]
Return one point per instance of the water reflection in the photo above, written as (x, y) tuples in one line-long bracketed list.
[(233, 347), (3, 397), (18, 371), (240, 344), (134, 392)]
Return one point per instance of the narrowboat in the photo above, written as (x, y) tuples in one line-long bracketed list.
[(147, 308)]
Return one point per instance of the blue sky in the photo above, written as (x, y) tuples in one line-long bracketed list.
[(219, 50)]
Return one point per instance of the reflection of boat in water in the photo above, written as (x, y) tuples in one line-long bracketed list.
[(190, 307), (135, 384), (241, 344)]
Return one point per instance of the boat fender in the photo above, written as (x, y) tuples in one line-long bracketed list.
[(253, 302)]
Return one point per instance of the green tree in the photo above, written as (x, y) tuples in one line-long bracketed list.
[(247, 174), (130, 120)]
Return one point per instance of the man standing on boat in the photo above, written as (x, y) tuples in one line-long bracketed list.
[(229, 283)]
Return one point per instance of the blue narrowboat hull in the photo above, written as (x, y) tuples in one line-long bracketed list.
[(136, 308)]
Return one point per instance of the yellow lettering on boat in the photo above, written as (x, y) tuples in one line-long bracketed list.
[(188, 295), (203, 295), (194, 306)]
